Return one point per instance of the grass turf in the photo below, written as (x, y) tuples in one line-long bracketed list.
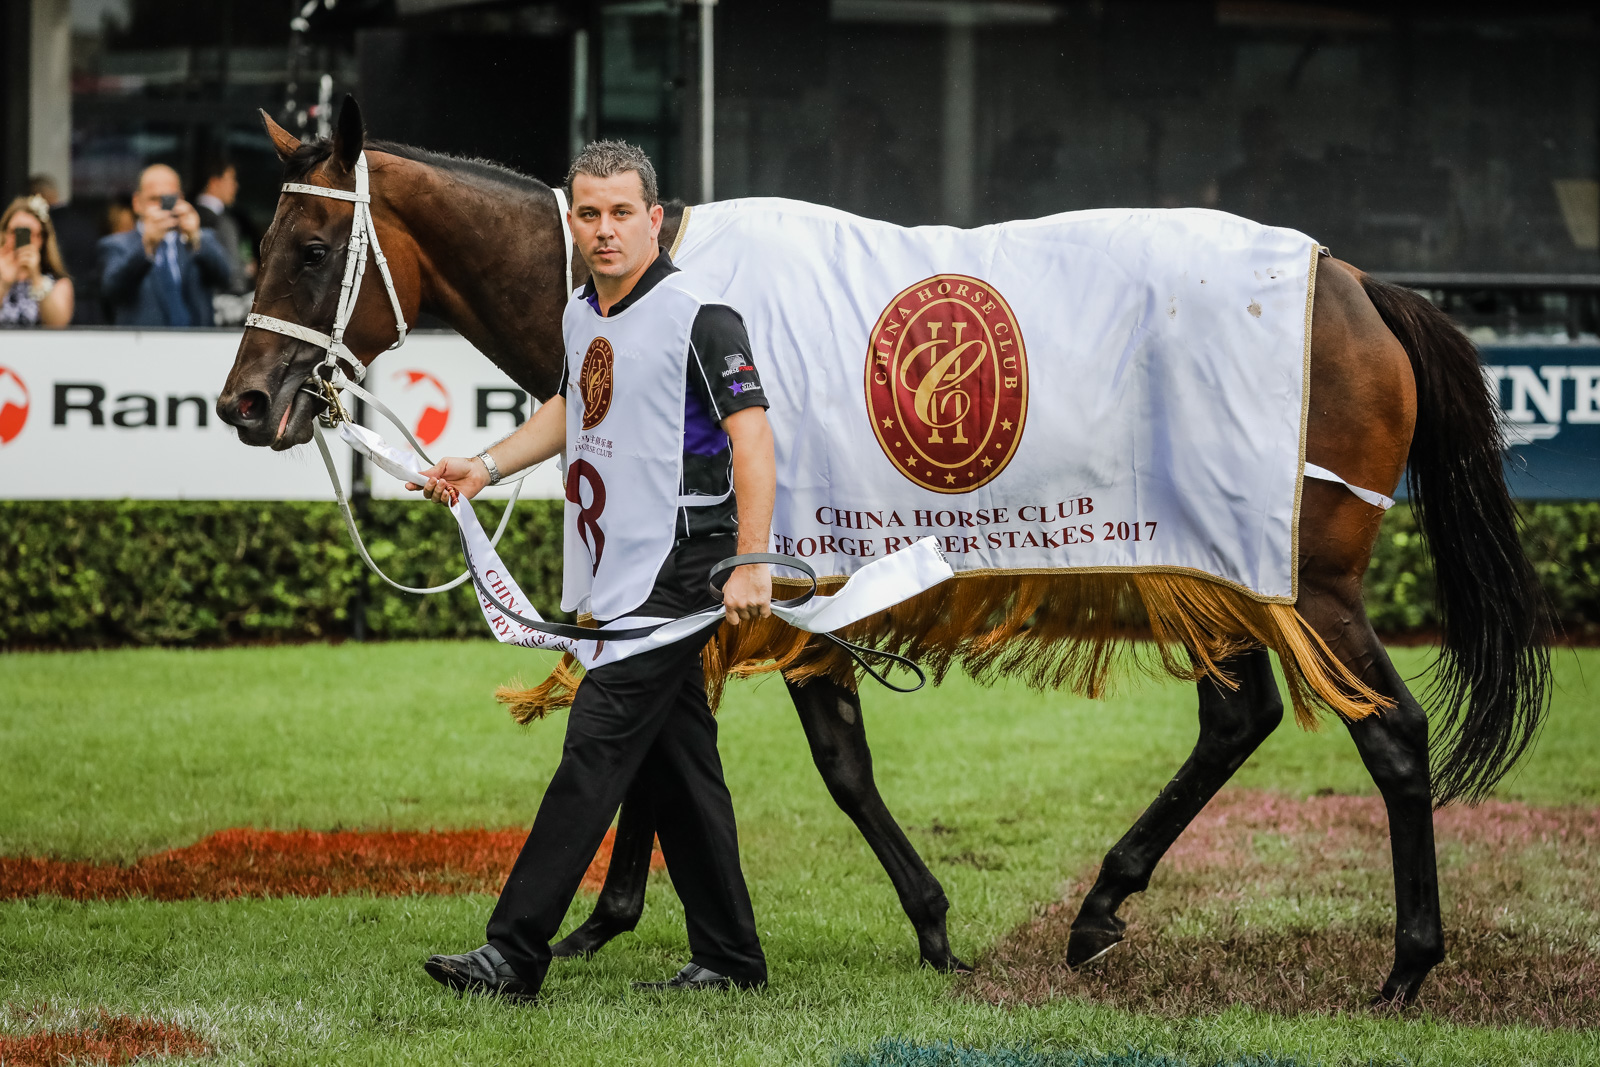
[(1006, 792)]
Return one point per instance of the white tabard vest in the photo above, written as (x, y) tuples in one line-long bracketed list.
[(624, 459)]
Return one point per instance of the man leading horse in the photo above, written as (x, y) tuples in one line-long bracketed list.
[(669, 461)]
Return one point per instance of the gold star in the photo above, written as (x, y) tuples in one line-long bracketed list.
[(987, 462), (951, 478), (910, 460), (888, 423), (1005, 424)]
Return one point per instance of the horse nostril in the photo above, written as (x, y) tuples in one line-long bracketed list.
[(253, 405)]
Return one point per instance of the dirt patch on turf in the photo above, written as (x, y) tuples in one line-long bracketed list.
[(113, 1039), (273, 863), (1287, 906)]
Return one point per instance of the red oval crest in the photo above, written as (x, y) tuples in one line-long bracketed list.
[(594, 382), (947, 383)]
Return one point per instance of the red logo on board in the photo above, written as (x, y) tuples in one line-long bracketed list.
[(13, 405), (947, 383), (436, 404), (594, 382)]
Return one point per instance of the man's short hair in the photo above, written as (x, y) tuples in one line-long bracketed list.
[(602, 159), (215, 166)]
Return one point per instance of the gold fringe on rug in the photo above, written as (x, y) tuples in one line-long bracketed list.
[(1052, 631)]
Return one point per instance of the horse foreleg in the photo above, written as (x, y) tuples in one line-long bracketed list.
[(621, 900), (1233, 723), (831, 717), (1394, 746)]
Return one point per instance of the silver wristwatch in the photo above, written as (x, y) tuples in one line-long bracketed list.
[(488, 463)]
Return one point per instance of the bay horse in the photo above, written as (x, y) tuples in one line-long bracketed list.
[(1395, 389)]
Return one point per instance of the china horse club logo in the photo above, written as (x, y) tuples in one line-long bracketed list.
[(13, 405), (594, 382), (435, 399), (947, 383)]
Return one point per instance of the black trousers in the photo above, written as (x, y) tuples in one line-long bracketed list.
[(642, 723)]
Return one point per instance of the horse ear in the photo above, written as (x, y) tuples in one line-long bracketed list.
[(349, 135), (284, 141)]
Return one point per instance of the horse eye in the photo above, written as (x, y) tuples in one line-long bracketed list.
[(315, 254)]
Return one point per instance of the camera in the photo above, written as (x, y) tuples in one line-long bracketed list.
[(21, 237), (169, 201)]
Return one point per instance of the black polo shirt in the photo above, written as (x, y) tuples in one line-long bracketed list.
[(722, 379)]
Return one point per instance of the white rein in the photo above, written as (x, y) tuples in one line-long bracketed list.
[(364, 236)]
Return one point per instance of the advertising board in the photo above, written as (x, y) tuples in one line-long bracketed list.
[(108, 414)]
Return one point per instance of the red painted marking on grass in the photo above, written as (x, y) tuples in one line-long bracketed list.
[(276, 863), (114, 1039)]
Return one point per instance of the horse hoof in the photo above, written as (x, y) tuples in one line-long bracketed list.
[(1395, 999), (947, 964), (1086, 946), (583, 942)]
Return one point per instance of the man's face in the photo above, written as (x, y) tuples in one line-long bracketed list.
[(615, 232), (154, 183), (225, 186)]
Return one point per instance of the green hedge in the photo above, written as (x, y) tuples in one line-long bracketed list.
[(85, 574)]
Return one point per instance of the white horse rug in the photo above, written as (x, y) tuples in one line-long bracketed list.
[(1112, 389)]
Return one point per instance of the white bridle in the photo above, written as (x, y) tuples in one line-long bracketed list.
[(364, 236)]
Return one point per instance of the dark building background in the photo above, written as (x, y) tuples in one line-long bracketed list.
[(1422, 138)]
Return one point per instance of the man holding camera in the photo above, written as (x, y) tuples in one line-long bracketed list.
[(164, 270)]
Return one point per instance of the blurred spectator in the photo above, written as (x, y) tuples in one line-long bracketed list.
[(163, 271), (77, 231), (36, 288), (215, 204), (119, 216)]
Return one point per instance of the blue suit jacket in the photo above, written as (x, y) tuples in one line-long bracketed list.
[(129, 291)]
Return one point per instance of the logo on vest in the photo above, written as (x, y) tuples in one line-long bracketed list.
[(594, 382), (13, 405), (947, 383)]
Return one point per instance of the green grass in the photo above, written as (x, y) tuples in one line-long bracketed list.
[(1006, 792)]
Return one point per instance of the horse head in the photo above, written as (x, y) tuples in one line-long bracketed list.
[(303, 259)]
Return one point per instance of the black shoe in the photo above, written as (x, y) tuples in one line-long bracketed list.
[(483, 971), (694, 976)]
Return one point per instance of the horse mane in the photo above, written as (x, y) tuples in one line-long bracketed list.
[(311, 153)]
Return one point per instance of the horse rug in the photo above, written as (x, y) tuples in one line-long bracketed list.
[(1097, 390)]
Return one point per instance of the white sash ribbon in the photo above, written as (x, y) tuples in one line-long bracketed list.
[(876, 587)]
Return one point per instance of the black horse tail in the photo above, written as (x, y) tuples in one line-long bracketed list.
[(1494, 671)]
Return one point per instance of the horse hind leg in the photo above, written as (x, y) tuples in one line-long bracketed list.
[(621, 901), (1233, 723), (1394, 747), (831, 717)]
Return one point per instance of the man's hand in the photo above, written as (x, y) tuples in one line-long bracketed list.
[(453, 477), (188, 220), (748, 594), (156, 224)]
